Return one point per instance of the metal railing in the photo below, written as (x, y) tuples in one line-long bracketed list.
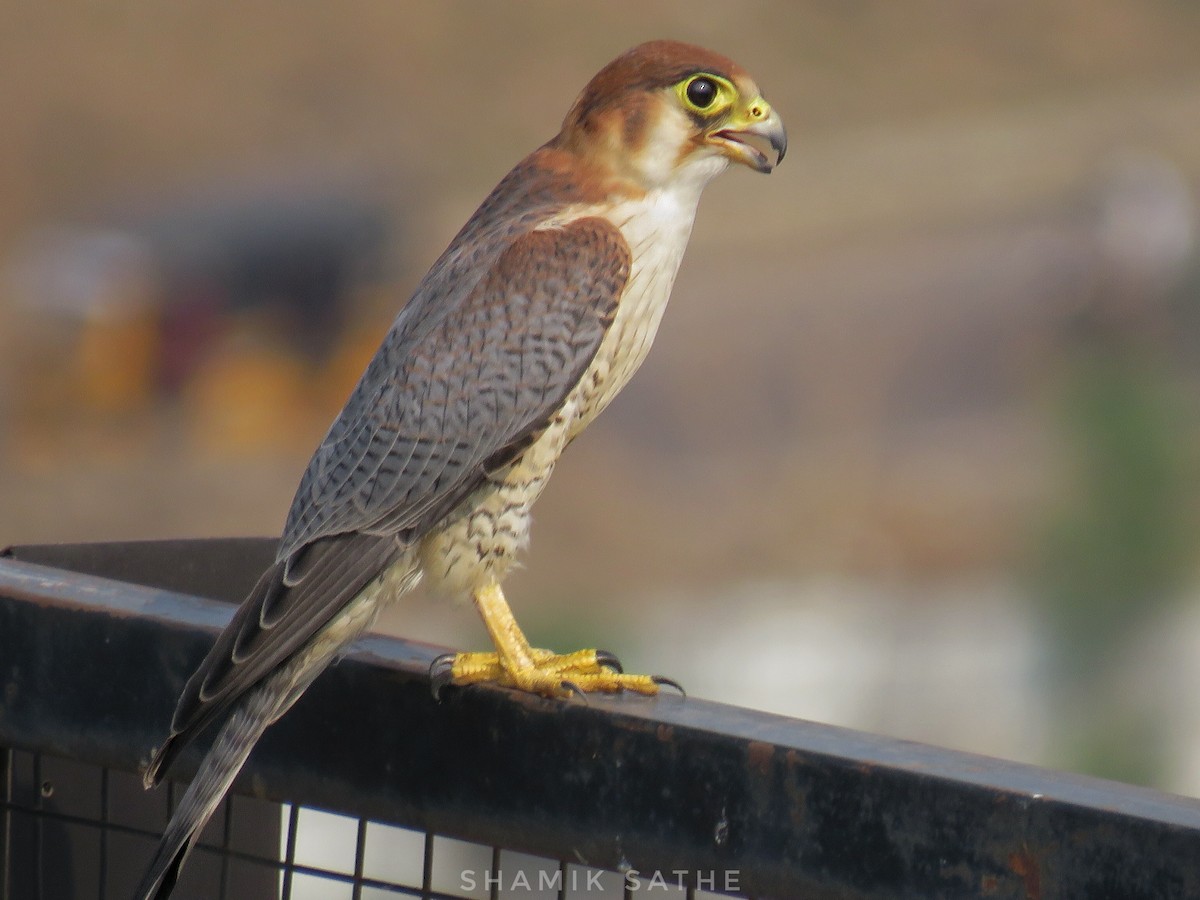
[(491, 793)]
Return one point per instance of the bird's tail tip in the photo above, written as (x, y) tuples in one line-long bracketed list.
[(160, 878), (150, 774), (160, 758)]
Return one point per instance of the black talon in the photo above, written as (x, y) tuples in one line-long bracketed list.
[(664, 681), (607, 660), (441, 671), (575, 690)]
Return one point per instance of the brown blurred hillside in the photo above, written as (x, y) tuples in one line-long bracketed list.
[(859, 367)]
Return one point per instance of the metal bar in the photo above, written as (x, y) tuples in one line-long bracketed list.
[(6, 824), (360, 852), (39, 829), (216, 568), (289, 856), (102, 873), (226, 846), (427, 868), (783, 807)]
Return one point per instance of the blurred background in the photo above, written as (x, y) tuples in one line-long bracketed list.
[(916, 450)]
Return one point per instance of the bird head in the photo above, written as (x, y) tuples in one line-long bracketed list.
[(666, 111)]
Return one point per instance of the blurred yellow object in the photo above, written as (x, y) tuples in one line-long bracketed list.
[(347, 362), (116, 363), (247, 399)]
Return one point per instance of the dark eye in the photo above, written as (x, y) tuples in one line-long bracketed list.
[(701, 92)]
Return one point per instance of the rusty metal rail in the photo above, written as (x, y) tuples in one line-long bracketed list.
[(96, 641)]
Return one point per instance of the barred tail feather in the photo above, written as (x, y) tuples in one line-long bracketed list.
[(251, 716), (233, 744)]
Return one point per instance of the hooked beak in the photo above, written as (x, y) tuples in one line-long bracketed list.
[(759, 122)]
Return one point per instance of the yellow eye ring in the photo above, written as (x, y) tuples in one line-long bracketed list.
[(706, 94)]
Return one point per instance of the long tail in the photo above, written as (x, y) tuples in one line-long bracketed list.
[(233, 744), (245, 725)]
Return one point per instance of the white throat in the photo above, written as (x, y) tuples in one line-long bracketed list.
[(657, 227)]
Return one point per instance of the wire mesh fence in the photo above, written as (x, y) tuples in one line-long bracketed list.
[(77, 831), (73, 831)]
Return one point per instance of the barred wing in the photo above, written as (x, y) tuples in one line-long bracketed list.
[(450, 396)]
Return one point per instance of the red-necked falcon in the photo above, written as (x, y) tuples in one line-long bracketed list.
[(536, 315)]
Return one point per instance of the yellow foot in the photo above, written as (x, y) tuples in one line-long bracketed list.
[(517, 665), (551, 675)]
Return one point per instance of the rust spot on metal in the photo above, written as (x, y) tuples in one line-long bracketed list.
[(1026, 867), (792, 785), (759, 755)]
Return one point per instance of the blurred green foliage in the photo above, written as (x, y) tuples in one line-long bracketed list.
[(1118, 550), (1119, 547)]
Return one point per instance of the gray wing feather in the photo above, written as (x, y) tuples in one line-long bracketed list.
[(452, 393), (483, 375)]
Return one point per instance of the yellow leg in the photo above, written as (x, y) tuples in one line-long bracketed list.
[(516, 664)]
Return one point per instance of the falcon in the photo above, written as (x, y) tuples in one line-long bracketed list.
[(523, 331)]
